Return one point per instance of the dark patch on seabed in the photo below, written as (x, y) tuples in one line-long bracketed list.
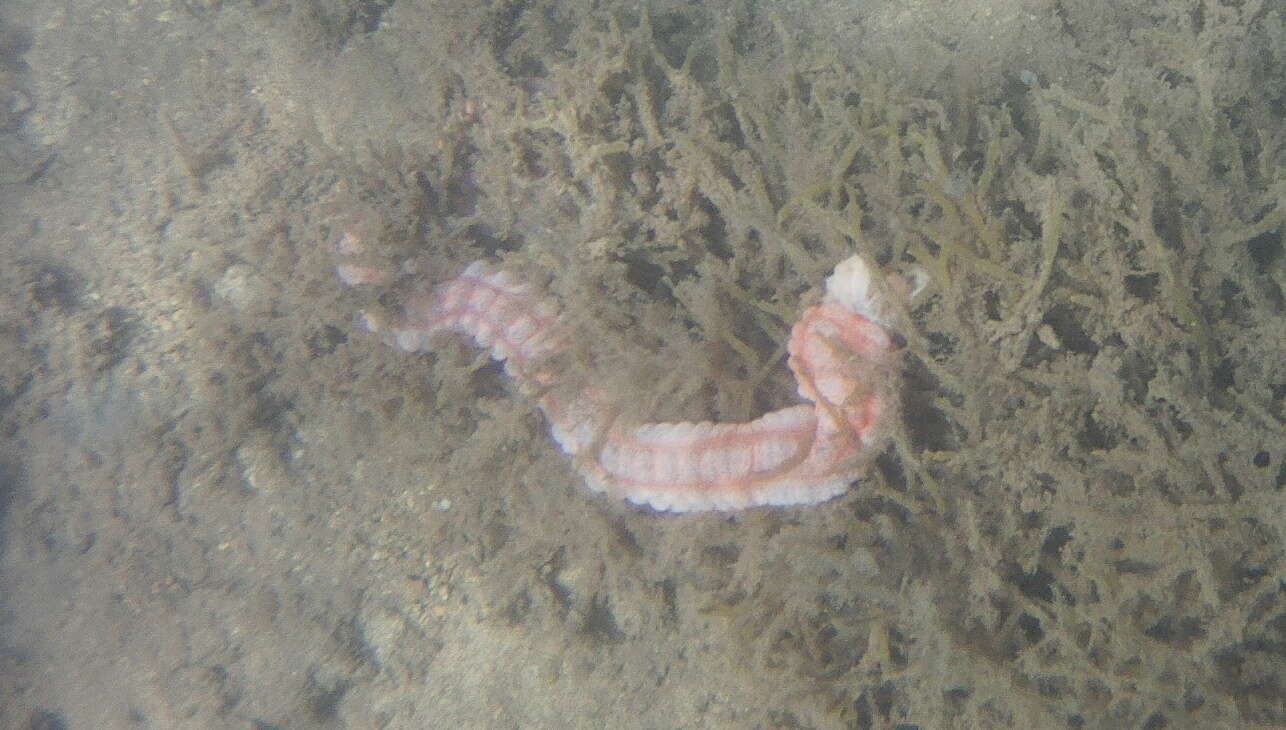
[(10, 479)]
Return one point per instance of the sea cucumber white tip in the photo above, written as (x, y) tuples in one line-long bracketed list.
[(853, 285)]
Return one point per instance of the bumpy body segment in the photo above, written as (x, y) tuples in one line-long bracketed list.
[(840, 351)]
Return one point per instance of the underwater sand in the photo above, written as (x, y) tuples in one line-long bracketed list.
[(224, 503)]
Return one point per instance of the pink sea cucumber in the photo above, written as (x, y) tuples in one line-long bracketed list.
[(839, 351)]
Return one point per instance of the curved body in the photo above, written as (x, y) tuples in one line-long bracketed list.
[(803, 454)]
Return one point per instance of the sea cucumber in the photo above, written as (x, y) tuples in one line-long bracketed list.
[(840, 352)]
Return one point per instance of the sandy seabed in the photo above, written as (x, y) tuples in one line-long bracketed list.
[(224, 503)]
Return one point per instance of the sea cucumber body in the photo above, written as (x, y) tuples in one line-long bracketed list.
[(502, 314), (801, 454)]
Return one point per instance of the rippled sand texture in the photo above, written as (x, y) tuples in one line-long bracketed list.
[(224, 503)]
